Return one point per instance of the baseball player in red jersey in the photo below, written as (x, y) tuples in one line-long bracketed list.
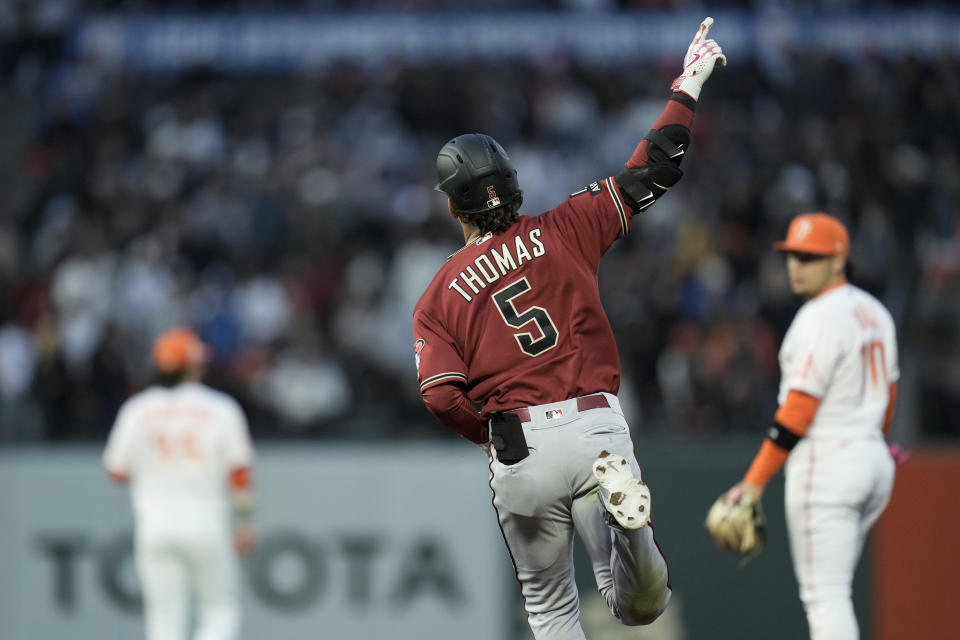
[(513, 324)]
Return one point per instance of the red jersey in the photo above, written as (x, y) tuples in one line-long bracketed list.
[(516, 315), (514, 319)]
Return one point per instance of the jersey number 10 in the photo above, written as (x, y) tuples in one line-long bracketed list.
[(871, 353)]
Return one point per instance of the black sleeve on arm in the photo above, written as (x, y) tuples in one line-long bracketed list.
[(654, 166)]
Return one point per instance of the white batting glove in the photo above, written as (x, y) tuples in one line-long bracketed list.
[(702, 56)]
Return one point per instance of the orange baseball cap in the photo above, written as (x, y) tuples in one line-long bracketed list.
[(178, 349), (816, 233)]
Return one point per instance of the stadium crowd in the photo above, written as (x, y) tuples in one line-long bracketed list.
[(290, 218)]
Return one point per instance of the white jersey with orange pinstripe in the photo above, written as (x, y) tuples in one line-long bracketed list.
[(842, 349), (177, 446)]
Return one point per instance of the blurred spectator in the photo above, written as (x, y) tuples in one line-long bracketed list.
[(18, 363)]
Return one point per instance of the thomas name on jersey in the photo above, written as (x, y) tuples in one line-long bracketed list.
[(496, 262)]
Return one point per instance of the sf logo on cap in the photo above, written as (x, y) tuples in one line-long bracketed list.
[(804, 227), (494, 200)]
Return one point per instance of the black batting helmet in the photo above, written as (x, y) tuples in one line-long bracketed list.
[(477, 174)]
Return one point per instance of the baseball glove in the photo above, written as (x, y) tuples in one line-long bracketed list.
[(739, 527)]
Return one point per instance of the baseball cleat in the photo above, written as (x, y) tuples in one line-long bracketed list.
[(624, 496)]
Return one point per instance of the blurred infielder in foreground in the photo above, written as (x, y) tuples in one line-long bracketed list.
[(513, 322), (185, 449), (838, 388)]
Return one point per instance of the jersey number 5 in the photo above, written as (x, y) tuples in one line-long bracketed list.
[(516, 319)]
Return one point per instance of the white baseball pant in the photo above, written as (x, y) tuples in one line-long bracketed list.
[(835, 491), (542, 499), (171, 569)]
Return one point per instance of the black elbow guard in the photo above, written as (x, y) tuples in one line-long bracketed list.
[(668, 144), (641, 186), (783, 437)]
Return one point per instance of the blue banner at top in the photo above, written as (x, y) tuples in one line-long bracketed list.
[(162, 42)]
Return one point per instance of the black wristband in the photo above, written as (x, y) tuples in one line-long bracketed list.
[(684, 99), (782, 436)]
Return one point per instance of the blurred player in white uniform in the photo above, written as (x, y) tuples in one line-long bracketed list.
[(186, 451), (838, 387)]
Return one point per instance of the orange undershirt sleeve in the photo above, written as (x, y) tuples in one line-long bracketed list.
[(795, 414), (766, 463), (240, 479)]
